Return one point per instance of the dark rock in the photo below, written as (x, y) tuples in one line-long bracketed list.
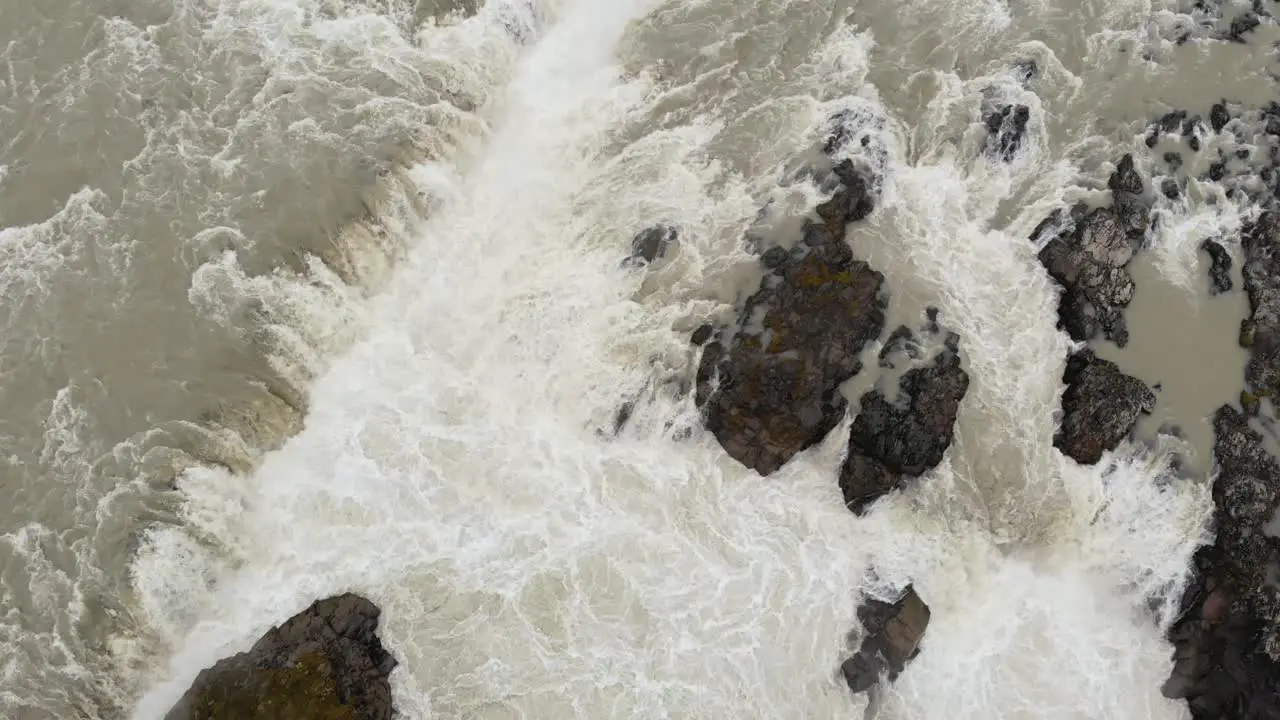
[(1241, 25), (1172, 122), (1100, 407), (1169, 188), (1128, 198), (1219, 117), (891, 442), (702, 334), (778, 390), (891, 637), (652, 243), (1006, 127), (1217, 171), (1219, 268), (325, 663), (1173, 160), (901, 340), (1261, 331), (1090, 263), (1227, 640)]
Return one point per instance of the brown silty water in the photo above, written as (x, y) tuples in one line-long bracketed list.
[(166, 169), (143, 143)]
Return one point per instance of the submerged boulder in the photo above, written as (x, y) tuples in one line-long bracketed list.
[(325, 663), (891, 637), (772, 388), (1100, 407), (891, 442)]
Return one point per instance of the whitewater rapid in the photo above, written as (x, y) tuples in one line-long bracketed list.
[(461, 360)]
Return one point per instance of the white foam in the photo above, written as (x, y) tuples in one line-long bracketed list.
[(451, 468)]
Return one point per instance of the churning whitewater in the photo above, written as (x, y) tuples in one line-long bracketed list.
[(429, 416)]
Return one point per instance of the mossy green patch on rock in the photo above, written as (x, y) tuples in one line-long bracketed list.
[(325, 663), (306, 691)]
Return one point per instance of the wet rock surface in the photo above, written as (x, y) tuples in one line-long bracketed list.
[(771, 389), (652, 244), (894, 440), (1227, 662), (1100, 407), (1219, 267), (1006, 128), (325, 663), (1087, 253), (892, 634), (1261, 331)]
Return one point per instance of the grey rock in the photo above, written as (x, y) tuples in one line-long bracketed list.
[(1100, 407)]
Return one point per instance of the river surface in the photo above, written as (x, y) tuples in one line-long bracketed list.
[(306, 296)]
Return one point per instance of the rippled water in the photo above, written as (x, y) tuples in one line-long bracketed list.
[(303, 297)]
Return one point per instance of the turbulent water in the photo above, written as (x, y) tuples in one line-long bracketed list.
[(307, 296)]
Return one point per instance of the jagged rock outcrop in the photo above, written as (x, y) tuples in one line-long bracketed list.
[(893, 442), (652, 244), (1100, 407), (1227, 662), (325, 663), (891, 637), (1219, 267), (1088, 253), (771, 389), (1261, 331)]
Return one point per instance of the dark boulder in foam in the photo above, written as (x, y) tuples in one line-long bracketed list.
[(1006, 129), (891, 637), (325, 663), (1219, 267), (771, 389), (892, 442), (1100, 407)]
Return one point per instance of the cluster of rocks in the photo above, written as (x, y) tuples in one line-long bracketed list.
[(325, 663), (1223, 20), (769, 385), (1227, 639)]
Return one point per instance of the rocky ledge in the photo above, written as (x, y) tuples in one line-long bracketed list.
[(1227, 640), (771, 388), (325, 663)]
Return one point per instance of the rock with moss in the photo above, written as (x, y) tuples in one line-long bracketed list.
[(325, 663), (771, 388)]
